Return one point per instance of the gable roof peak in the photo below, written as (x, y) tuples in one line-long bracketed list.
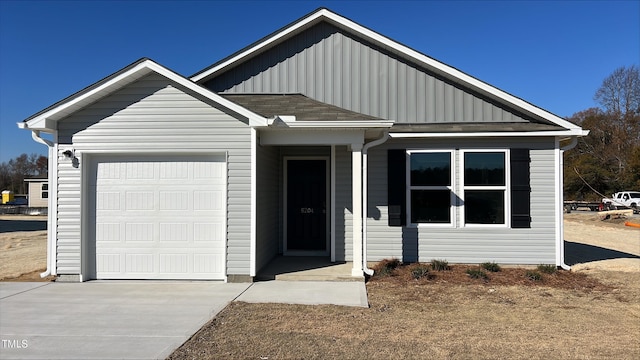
[(411, 55), (45, 120)]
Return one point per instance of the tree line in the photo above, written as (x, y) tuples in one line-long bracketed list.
[(14, 171), (608, 159)]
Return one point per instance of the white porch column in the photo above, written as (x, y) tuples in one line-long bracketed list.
[(356, 205)]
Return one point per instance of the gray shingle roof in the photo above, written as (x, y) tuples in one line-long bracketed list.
[(304, 108)]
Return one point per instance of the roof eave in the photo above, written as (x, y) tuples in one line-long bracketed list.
[(559, 133), (46, 120), (285, 121)]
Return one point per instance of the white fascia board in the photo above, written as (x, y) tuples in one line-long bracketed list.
[(315, 137), (255, 120), (265, 43), (453, 72), (567, 133), (46, 120), (402, 49), (336, 124)]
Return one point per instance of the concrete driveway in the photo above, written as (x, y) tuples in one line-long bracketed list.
[(106, 319), (135, 319)]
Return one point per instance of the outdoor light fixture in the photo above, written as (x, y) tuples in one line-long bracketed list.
[(68, 154)]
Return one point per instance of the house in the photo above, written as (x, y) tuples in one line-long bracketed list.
[(38, 191), (324, 138)]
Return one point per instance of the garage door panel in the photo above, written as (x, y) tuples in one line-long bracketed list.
[(160, 218)]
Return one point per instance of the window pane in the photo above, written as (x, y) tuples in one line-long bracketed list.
[(430, 206), (431, 169), (484, 206), (484, 168)]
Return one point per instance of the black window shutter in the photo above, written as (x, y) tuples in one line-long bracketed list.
[(520, 189), (396, 186)]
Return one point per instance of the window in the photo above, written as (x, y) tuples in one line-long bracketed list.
[(430, 187), (478, 187), (44, 194), (484, 187)]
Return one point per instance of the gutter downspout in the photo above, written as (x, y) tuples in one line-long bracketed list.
[(365, 180), (571, 145), (53, 190)]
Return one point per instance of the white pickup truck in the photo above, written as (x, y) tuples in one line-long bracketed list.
[(623, 199)]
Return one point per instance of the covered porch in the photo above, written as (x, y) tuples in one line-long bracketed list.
[(309, 188)]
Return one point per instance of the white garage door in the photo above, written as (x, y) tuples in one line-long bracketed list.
[(160, 218)]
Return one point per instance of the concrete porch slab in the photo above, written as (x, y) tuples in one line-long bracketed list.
[(307, 268)]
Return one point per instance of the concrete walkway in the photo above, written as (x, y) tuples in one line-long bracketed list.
[(134, 319)]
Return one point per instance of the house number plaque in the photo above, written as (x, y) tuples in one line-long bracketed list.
[(306, 210)]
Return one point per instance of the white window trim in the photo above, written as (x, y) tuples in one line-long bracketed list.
[(451, 188), (506, 188)]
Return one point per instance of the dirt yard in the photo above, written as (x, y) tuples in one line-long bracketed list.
[(23, 247), (592, 312)]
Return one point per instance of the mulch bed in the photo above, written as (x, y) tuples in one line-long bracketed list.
[(385, 271)]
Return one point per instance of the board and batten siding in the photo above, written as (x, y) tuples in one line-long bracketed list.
[(332, 66), (153, 116), (466, 244)]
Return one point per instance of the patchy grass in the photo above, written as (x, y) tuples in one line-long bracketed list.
[(444, 315)]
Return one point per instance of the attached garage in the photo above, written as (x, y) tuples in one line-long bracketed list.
[(158, 217)]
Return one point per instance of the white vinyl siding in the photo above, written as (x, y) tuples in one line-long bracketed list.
[(268, 205), (153, 116), (342, 207), (466, 244)]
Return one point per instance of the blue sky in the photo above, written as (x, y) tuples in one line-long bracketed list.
[(553, 54)]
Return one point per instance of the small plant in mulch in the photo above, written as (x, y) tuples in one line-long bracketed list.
[(547, 269), (533, 275), (386, 267), (490, 266), (440, 265), (420, 271), (477, 274)]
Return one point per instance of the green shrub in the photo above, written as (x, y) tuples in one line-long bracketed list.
[(419, 271), (477, 274), (440, 265), (533, 275), (490, 266), (386, 267), (547, 268)]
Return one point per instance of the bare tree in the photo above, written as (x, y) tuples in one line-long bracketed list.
[(620, 91), (608, 157)]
